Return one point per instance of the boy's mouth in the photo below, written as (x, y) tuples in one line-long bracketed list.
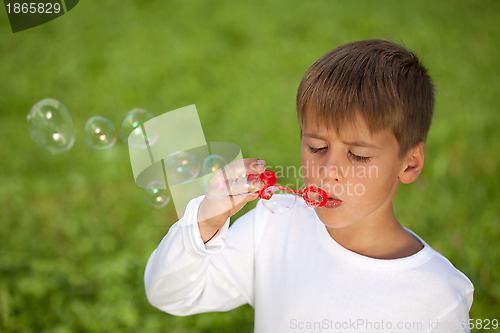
[(333, 202)]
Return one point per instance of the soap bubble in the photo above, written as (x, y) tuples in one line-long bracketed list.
[(130, 132), (280, 202), (51, 126), (181, 167), (157, 195), (213, 163), (100, 133), (210, 165)]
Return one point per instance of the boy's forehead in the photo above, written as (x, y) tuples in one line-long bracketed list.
[(354, 130), (314, 123)]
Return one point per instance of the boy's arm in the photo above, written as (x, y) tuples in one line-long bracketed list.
[(185, 276)]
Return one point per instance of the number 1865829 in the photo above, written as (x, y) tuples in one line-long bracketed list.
[(33, 8)]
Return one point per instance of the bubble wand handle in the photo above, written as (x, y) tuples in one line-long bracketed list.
[(289, 190), (269, 179)]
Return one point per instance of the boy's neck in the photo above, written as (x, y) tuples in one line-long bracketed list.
[(380, 240)]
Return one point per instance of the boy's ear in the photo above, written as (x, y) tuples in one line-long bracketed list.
[(414, 162)]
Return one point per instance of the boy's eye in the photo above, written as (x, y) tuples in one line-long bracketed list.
[(358, 158), (316, 150)]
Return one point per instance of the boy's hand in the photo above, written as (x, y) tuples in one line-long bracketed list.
[(228, 191)]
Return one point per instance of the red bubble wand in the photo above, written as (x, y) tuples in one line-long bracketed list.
[(269, 179)]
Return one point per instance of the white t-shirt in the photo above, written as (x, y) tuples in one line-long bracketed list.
[(298, 279)]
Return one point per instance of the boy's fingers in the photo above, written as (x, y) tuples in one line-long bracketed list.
[(258, 166), (221, 203), (244, 167), (231, 188), (241, 200), (245, 186)]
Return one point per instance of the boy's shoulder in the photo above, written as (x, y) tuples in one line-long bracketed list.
[(443, 275), (438, 264), (441, 284)]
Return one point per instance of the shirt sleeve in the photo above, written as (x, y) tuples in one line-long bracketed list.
[(184, 276)]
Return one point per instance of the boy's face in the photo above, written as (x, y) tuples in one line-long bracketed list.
[(358, 169)]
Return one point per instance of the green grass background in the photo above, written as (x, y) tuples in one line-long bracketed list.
[(75, 231)]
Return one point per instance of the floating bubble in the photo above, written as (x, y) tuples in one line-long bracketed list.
[(130, 132), (212, 163), (181, 167), (100, 133), (157, 195), (51, 126), (280, 201)]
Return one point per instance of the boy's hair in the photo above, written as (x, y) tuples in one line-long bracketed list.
[(378, 80)]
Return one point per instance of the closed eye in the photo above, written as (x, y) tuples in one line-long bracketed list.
[(316, 150), (358, 158)]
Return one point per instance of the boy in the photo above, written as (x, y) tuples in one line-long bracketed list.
[(364, 109)]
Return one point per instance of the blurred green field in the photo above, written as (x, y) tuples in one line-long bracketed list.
[(75, 230)]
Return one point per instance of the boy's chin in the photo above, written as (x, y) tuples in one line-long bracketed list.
[(325, 215)]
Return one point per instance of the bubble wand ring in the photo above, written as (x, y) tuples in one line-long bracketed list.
[(269, 179)]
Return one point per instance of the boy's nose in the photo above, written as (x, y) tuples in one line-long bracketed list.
[(333, 170), (335, 173)]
